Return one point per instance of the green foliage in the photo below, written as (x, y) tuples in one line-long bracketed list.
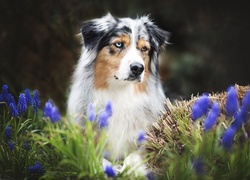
[(33, 147), (77, 155), (15, 160), (62, 149), (182, 149)]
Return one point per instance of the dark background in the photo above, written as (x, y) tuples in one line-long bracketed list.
[(209, 47)]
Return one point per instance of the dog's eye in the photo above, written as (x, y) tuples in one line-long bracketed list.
[(144, 49), (119, 45)]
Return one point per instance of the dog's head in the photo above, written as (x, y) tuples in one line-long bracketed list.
[(126, 49)]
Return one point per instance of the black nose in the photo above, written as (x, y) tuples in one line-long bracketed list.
[(136, 68)]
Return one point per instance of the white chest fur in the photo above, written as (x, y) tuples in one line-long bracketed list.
[(132, 112)]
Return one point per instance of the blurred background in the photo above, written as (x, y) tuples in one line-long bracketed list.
[(208, 50)]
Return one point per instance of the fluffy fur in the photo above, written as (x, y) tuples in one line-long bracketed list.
[(119, 63)]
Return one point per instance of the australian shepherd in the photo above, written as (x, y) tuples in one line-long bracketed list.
[(119, 63)]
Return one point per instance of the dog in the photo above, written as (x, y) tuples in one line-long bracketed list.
[(119, 63)]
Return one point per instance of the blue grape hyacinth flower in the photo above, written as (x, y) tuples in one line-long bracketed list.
[(8, 132), (91, 115), (13, 110), (109, 109), (239, 119), (212, 116), (199, 166), (246, 102), (200, 107), (26, 146), (109, 171), (51, 111), (10, 99), (105, 115), (37, 169), (231, 102), (6, 97), (242, 115), (28, 97), (11, 146), (150, 176), (5, 89), (22, 105), (36, 101), (141, 136), (4, 94), (228, 138), (103, 119)]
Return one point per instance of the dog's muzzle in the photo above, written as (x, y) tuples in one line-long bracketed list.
[(135, 73)]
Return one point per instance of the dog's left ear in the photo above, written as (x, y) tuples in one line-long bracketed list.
[(93, 30), (158, 37)]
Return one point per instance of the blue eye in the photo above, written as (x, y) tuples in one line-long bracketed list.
[(119, 44)]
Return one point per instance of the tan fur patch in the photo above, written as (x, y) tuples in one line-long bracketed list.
[(144, 47), (108, 61)]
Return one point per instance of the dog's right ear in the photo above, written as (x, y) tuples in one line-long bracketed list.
[(93, 30)]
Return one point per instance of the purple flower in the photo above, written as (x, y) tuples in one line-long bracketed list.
[(5, 89), (36, 101), (231, 102), (212, 116), (28, 97), (51, 111), (37, 169), (6, 97), (26, 146), (228, 138), (13, 110), (91, 112), (246, 102), (242, 115), (239, 119), (4, 94), (105, 115), (109, 171), (108, 108), (11, 146), (200, 107), (7, 132), (150, 176), (10, 99), (141, 136), (22, 105), (103, 119), (199, 166)]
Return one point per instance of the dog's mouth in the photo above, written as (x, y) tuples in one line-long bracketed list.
[(131, 77)]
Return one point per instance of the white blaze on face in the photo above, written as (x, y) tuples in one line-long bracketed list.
[(132, 54)]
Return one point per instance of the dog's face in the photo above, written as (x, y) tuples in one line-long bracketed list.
[(126, 49)]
